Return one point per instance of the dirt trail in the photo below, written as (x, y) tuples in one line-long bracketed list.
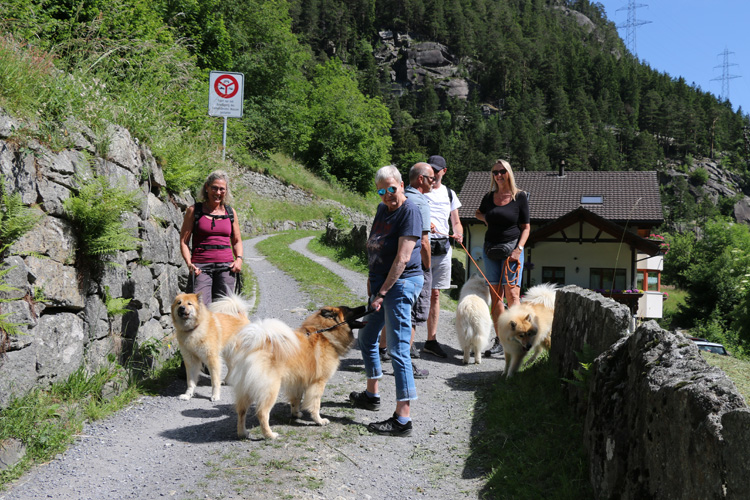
[(161, 447)]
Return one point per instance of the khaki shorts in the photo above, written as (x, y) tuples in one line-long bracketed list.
[(441, 271), (421, 308)]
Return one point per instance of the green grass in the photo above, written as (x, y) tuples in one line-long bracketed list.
[(675, 299), (282, 167), (47, 421), (268, 210), (736, 369), (323, 286), (528, 440), (351, 260)]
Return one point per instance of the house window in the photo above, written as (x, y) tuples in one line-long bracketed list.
[(553, 275), (591, 200), (648, 280), (600, 278)]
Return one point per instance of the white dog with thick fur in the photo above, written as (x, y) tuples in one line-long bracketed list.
[(473, 321)]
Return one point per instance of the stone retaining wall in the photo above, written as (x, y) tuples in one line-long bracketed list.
[(660, 422), (57, 303)]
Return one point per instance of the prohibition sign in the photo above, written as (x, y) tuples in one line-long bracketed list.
[(226, 86)]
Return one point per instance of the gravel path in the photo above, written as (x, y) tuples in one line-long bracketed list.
[(161, 447)]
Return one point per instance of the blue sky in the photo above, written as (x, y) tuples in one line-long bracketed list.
[(687, 38)]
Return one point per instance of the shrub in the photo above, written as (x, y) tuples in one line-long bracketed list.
[(699, 176)]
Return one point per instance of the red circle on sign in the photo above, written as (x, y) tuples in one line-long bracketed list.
[(226, 86)]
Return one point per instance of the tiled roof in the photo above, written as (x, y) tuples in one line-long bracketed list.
[(626, 196)]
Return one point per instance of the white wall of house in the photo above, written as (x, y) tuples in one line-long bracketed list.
[(578, 259)]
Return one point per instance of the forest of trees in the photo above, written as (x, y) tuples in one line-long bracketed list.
[(563, 92)]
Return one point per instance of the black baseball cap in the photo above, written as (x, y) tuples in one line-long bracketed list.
[(437, 162)]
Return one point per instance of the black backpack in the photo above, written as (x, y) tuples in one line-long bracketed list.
[(198, 213)]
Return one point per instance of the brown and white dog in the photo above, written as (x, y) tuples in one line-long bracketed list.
[(203, 332), (527, 326), (268, 356)]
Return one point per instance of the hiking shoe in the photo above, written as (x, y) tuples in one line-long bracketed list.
[(362, 400), (384, 356), (433, 347), (497, 348), (419, 373), (390, 427), (413, 352)]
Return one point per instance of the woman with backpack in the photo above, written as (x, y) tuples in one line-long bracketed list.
[(216, 255)]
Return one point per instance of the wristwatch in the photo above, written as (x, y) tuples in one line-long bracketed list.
[(520, 247), (380, 294)]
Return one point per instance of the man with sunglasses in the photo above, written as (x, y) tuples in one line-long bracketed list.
[(421, 178), (444, 205)]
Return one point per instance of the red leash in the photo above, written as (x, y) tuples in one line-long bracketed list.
[(492, 289)]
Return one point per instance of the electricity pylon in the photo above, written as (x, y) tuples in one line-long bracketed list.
[(631, 24), (725, 76)]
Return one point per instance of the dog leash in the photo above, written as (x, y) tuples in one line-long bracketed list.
[(368, 310), (506, 270), (492, 289)]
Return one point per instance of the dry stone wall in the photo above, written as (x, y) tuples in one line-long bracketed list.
[(57, 303), (660, 422)]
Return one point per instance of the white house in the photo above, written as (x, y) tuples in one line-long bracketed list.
[(589, 229)]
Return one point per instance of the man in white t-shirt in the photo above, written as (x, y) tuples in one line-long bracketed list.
[(444, 205)]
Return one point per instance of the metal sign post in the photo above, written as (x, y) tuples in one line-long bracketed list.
[(225, 98)]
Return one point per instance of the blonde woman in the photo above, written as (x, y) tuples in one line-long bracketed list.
[(505, 212)]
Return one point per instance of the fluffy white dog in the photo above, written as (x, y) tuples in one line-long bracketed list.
[(473, 321)]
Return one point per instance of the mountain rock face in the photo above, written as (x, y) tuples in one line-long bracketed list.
[(720, 183), (411, 64)]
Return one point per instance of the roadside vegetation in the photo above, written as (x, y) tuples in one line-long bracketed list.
[(712, 274), (323, 286), (528, 439), (48, 420)]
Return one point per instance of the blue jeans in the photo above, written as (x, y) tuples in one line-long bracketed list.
[(494, 270), (395, 314)]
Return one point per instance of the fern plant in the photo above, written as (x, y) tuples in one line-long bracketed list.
[(115, 306), (582, 376), (96, 212), (16, 219)]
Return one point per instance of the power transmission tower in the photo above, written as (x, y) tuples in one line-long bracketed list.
[(632, 23), (725, 76)]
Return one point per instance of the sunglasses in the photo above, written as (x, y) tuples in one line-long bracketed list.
[(429, 178), (499, 172), (389, 189)]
